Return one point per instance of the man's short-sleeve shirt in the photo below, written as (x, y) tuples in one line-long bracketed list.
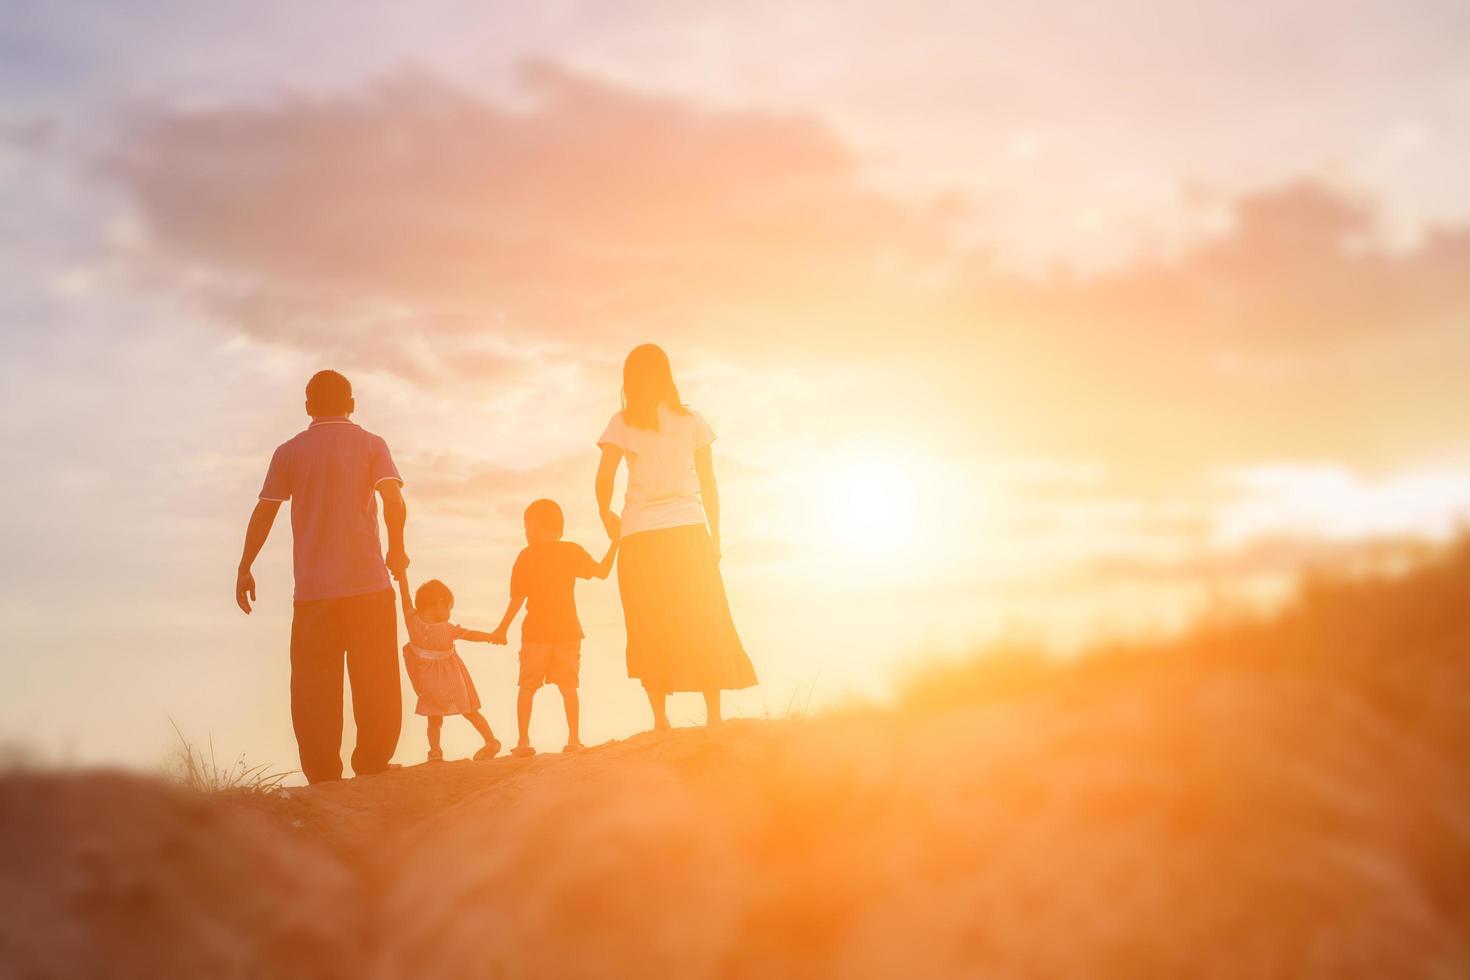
[(330, 472), (545, 575)]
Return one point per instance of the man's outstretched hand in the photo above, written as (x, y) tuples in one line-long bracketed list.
[(397, 562), (244, 590)]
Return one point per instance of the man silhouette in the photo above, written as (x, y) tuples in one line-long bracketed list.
[(332, 473)]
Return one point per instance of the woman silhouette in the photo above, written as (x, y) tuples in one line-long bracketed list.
[(680, 633)]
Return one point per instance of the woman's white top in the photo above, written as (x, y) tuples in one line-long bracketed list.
[(663, 489)]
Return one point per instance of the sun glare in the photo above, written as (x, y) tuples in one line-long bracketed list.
[(871, 507)]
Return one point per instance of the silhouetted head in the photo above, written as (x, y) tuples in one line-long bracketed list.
[(433, 602), (648, 382), (328, 393), (544, 522)]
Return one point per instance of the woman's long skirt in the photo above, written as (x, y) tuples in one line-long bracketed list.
[(681, 636)]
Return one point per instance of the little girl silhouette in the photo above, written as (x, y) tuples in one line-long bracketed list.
[(438, 676)]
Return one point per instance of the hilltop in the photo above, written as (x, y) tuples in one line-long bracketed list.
[(1280, 798)]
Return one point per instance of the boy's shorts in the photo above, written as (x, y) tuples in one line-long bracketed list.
[(550, 663)]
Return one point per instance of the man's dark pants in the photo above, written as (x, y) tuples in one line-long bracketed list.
[(365, 629)]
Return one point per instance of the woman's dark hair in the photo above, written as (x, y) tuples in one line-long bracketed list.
[(431, 592), (648, 382)]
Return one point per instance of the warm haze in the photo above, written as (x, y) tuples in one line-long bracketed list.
[(1062, 321)]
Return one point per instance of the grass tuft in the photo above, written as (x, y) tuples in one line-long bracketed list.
[(203, 772)]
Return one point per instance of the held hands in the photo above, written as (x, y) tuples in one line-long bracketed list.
[(244, 590), (397, 562), (498, 638), (613, 524)]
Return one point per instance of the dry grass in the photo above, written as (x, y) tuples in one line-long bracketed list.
[(1396, 642), (202, 771), (1259, 798), (1262, 799)]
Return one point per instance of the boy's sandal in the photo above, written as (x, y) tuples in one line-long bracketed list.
[(522, 751), (573, 747), (490, 751), (436, 755)]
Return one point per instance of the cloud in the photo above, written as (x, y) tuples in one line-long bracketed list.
[(1276, 559), (415, 208), (31, 135), (1334, 503), (1301, 266), (470, 486), (413, 227)]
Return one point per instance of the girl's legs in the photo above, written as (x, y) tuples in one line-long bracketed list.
[(436, 725), (523, 716), (492, 744), (481, 725), (712, 707), (658, 701), (570, 701)]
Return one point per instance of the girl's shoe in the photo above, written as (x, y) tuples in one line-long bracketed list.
[(522, 751), (573, 747), (436, 755), (490, 751)]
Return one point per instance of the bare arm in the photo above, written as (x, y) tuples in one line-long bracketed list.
[(405, 597), (607, 472), (477, 636), (259, 528), (510, 614), (709, 492), (395, 516), (605, 566)]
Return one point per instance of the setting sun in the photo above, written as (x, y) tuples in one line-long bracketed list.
[(871, 505)]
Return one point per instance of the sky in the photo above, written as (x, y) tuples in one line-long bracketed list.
[(1050, 323)]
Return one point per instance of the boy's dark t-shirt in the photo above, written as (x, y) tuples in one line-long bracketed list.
[(546, 575)]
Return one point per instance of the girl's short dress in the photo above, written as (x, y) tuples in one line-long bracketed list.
[(438, 676)]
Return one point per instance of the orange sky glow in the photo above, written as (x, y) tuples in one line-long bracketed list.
[(1037, 326)]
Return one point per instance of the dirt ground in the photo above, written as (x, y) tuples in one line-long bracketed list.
[(1213, 826)]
